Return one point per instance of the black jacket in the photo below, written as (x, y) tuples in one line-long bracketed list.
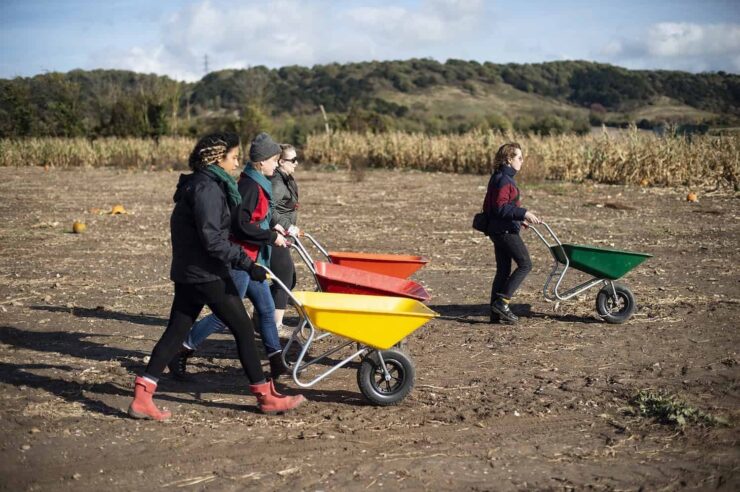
[(199, 226), (285, 197)]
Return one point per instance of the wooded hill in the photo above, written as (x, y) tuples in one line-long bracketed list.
[(413, 95)]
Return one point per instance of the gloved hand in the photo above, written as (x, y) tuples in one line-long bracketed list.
[(294, 231), (255, 271)]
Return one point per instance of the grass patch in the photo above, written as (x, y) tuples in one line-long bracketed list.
[(669, 410)]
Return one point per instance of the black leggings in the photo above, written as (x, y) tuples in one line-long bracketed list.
[(223, 299), (282, 264), (509, 247)]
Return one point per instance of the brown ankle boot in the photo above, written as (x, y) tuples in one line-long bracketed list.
[(143, 407), (272, 402)]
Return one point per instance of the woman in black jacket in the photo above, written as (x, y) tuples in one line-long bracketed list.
[(201, 257), (285, 214)]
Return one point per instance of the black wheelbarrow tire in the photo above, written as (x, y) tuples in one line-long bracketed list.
[(605, 299), (372, 382)]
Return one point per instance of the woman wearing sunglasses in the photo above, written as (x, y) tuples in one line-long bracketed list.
[(285, 200)]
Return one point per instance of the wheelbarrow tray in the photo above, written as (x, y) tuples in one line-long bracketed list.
[(401, 266), (346, 280), (377, 321), (605, 263)]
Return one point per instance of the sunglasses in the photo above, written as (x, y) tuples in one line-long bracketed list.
[(292, 161)]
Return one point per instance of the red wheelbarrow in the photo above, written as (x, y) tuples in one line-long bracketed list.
[(400, 266), (342, 279)]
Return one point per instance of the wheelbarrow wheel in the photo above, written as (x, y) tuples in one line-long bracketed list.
[(372, 382), (617, 310)]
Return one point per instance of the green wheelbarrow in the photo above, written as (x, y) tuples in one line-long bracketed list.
[(615, 302)]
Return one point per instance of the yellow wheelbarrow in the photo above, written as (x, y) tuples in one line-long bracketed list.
[(374, 324)]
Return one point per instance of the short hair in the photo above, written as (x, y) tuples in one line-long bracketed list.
[(211, 149), (505, 154), (286, 149)]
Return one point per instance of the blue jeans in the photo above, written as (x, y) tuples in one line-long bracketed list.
[(259, 294)]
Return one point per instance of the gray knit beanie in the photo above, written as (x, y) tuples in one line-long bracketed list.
[(263, 147)]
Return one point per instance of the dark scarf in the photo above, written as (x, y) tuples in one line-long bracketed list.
[(221, 176)]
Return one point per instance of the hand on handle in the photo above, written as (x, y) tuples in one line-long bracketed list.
[(255, 271), (531, 218), (280, 241)]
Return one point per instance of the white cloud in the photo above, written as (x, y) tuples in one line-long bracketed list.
[(680, 45), (433, 21), (238, 34)]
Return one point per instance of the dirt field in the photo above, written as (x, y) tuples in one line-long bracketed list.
[(541, 405)]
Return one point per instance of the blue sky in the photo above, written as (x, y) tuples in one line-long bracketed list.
[(171, 37)]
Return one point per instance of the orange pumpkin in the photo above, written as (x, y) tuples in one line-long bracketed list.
[(78, 227), (691, 197)]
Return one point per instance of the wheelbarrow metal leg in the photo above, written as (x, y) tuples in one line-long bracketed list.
[(386, 374)]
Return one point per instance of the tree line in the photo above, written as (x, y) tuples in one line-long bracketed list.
[(287, 100)]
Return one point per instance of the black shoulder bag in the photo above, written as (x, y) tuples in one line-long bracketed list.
[(480, 222)]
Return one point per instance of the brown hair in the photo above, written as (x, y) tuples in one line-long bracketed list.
[(505, 154)]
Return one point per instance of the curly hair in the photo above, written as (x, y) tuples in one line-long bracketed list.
[(211, 149), (505, 154)]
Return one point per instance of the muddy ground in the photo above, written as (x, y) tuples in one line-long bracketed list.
[(540, 405)]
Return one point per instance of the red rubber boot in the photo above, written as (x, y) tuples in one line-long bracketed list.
[(272, 402), (143, 407)]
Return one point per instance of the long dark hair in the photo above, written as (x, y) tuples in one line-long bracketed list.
[(211, 149)]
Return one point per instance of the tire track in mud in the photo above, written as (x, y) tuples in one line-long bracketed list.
[(225, 449)]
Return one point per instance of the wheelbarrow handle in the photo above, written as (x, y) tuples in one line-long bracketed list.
[(297, 245), (318, 245), (275, 278), (303, 253), (550, 232)]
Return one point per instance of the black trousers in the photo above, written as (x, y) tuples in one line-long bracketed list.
[(281, 263), (509, 247), (223, 299)]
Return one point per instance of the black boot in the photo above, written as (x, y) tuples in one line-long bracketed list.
[(502, 309), (179, 365), (277, 368), (495, 318)]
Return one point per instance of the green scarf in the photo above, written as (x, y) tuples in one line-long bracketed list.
[(218, 173), (266, 185)]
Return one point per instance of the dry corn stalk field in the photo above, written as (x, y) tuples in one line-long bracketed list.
[(545, 404), (629, 157)]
